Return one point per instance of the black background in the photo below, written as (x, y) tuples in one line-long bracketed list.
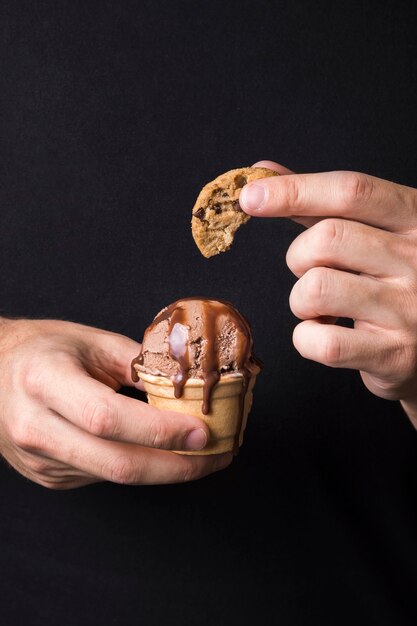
[(113, 115)]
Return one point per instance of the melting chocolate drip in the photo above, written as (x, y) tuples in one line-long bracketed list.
[(213, 313)]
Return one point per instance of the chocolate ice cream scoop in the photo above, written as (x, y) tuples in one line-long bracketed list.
[(200, 339)]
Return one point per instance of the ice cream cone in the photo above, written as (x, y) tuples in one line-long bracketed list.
[(226, 419)]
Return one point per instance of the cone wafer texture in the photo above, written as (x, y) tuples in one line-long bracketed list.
[(225, 422)]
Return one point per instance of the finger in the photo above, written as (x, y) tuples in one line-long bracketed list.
[(125, 463), (351, 195), (352, 348), (67, 485), (98, 409), (272, 165), (327, 292), (48, 467), (57, 484), (33, 467), (109, 354), (351, 246)]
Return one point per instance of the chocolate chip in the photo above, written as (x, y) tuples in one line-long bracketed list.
[(225, 194), (200, 213), (236, 206), (217, 208), (240, 181)]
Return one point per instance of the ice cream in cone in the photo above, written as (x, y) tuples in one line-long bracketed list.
[(196, 358)]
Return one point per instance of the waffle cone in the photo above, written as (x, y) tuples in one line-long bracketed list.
[(223, 420)]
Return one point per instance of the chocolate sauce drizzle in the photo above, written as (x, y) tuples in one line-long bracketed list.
[(214, 314)]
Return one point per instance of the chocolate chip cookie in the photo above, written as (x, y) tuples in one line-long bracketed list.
[(217, 214)]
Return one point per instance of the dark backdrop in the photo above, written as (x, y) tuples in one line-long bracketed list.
[(113, 115)]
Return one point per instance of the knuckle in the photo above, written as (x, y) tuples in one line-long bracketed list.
[(296, 257), (315, 287), (98, 418), (295, 301), (331, 351), (354, 187), (158, 434), (291, 260), (293, 192), (24, 435), (328, 234), (34, 380), (122, 470)]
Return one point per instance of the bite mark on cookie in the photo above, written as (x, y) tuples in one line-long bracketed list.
[(217, 214)]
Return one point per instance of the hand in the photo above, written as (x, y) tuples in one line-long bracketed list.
[(63, 425), (357, 259)]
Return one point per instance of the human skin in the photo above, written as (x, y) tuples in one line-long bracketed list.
[(62, 424), (356, 259)]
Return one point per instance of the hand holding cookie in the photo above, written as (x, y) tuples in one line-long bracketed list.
[(356, 260)]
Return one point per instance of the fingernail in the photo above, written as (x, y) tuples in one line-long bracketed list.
[(196, 439), (252, 197)]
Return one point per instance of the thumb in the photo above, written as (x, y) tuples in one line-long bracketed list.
[(281, 169)]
